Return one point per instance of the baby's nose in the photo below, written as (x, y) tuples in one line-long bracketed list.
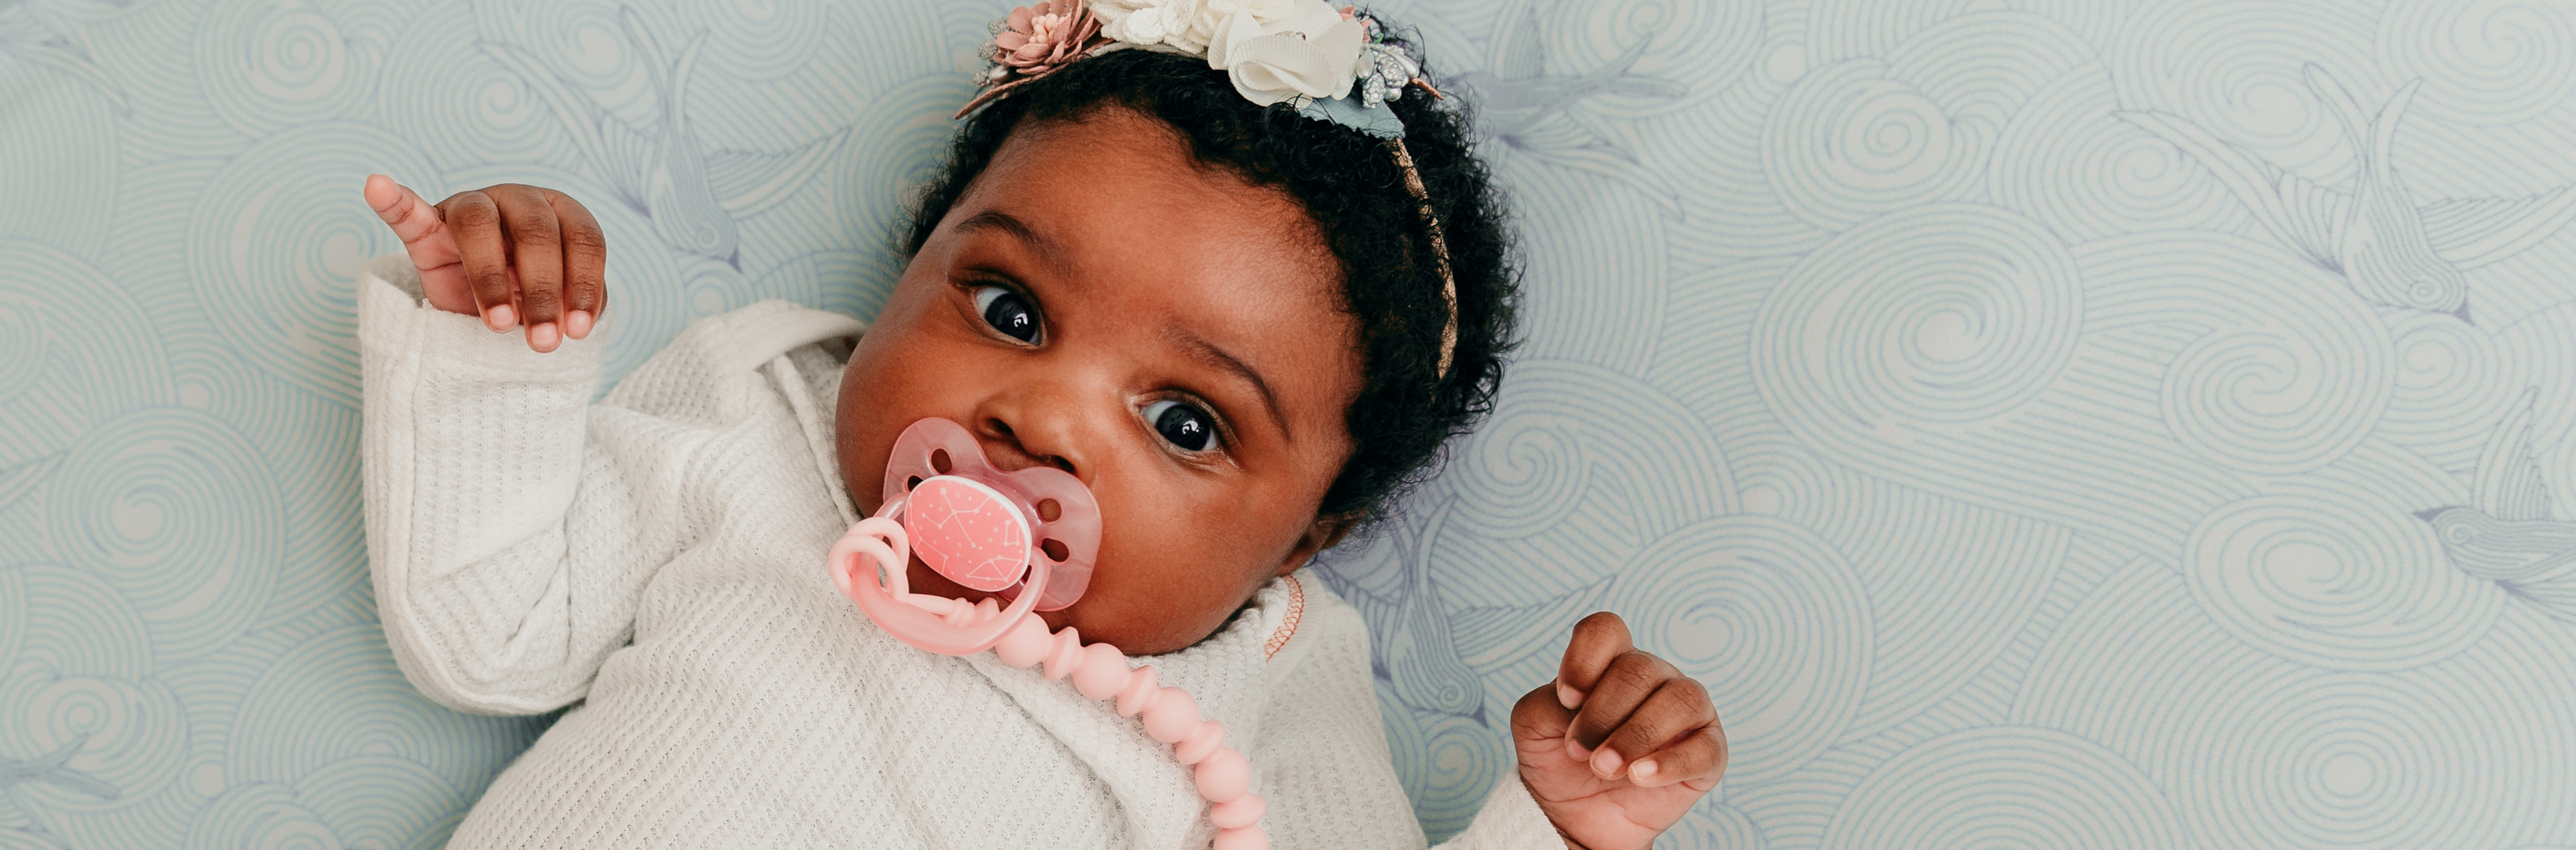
[(1009, 451)]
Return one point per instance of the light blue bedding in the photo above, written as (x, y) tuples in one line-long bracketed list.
[(2080, 423)]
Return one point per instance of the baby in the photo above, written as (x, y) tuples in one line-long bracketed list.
[(1175, 261)]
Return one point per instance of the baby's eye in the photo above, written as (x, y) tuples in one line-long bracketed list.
[(1007, 312), (1182, 424)]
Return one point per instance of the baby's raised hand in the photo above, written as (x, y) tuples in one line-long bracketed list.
[(1620, 745), (511, 254)]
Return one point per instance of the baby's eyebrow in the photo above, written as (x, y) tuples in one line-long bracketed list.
[(1009, 225), (1207, 351)]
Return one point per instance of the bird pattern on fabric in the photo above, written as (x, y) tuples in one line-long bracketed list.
[(36, 32), (2394, 251), (1542, 114), (664, 172), (2508, 535), (1415, 653), (50, 769)]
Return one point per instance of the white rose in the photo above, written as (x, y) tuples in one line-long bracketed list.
[(1178, 23), (1187, 24), (1130, 21), (1144, 27), (1307, 50), (1265, 11)]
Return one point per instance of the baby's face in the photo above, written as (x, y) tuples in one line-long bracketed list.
[(1098, 302)]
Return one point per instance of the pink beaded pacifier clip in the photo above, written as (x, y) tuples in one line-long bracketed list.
[(1029, 536)]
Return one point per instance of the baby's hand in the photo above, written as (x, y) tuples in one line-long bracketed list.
[(512, 254), (1620, 745)]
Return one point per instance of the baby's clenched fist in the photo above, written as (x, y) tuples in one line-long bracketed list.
[(1620, 745), (514, 255)]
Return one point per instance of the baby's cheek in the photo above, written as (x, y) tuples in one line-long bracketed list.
[(875, 406), (1145, 600), (862, 452), (1173, 591)]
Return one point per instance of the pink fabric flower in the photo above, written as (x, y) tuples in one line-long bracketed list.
[(1043, 36)]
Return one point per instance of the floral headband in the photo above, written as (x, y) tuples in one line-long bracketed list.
[(1332, 65)]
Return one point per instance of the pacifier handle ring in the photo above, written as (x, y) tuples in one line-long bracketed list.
[(877, 538), (938, 624)]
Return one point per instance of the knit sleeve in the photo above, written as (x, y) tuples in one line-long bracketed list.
[(1323, 759), (1510, 820), (506, 546)]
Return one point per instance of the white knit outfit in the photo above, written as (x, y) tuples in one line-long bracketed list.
[(656, 561)]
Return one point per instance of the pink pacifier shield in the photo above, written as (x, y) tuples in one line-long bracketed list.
[(1058, 521), (967, 532)]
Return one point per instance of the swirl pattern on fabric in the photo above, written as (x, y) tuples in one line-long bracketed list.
[(2067, 163), (1847, 144), (1900, 325), (2452, 379), (68, 159), (2321, 577), (181, 515), (2235, 68), (462, 114), (1708, 43), (1771, 619), (59, 373), (2004, 786), (283, 299), (1461, 761), (2482, 61), (2272, 382), (1535, 462), (269, 65), (290, 725), (1969, 392), (128, 737)]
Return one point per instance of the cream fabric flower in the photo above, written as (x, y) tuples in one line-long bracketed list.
[(1309, 51), (1189, 26), (1152, 22), (1273, 50)]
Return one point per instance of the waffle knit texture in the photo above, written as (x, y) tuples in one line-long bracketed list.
[(656, 562)]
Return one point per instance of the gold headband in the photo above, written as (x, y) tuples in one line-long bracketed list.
[(1439, 253)]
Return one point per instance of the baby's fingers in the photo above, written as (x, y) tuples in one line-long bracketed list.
[(1696, 761), (1598, 640), (1539, 722), (1678, 707), (485, 251), (585, 260), (1624, 687), (536, 255), (426, 239)]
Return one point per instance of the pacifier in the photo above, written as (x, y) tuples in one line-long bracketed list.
[(1029, 536)]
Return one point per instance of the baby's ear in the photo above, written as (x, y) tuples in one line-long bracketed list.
[(1328, 531)]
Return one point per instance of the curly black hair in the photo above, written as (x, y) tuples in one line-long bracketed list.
[(1351, 186)]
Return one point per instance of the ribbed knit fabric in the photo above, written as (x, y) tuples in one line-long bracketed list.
[(655, 560)]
